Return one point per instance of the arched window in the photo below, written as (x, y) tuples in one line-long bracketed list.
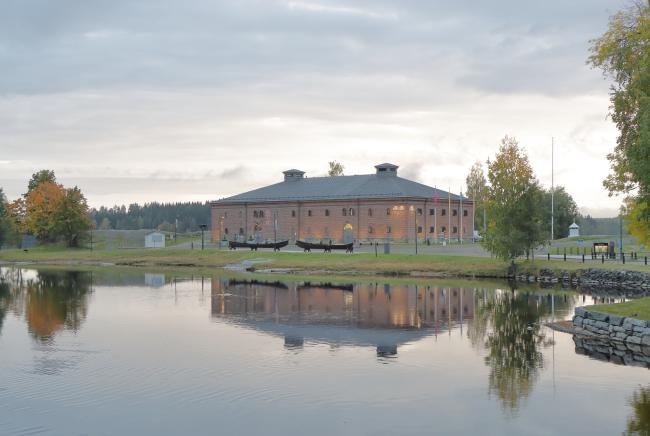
[(225, 230), (309, 212), (388, 211), (370, 230), (351, 212), (254, 214), (369, 212), (327, 212), (293, 214), (345, 212)]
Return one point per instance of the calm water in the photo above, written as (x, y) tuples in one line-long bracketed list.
[(131, 353)]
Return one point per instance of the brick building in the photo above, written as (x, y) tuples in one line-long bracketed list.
[(371, 207)]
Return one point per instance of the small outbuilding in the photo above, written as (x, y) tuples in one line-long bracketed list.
[(574, 230), (154, 240)]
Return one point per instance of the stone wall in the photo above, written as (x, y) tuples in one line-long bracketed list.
[(627, 336), (615, 282)]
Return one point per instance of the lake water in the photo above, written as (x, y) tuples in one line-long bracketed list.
[(126, 352)]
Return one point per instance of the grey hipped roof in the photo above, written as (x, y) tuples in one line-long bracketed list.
[(368, 186)]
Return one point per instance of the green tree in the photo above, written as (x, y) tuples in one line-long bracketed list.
[(336, 169), (565, 212), (6, 225), (39, 177), (623, 53), (477, 190), (514, 204), (72, 217)]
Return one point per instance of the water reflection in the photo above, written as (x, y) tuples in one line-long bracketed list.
[(639, 422), (508, 325), (51, 301), (378, 315)]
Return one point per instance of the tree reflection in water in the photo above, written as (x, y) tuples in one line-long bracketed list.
[(52, 301), (639, 422), (55, 301), (508, 326), (4, 301)]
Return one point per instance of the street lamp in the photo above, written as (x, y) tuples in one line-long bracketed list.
[(203, 227)]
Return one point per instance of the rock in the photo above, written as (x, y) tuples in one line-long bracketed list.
[(645, 340), (616, 320), (633, 340), (599, 316), (577, 320)]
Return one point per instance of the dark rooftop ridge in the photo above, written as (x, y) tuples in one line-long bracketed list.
[(383, 185)]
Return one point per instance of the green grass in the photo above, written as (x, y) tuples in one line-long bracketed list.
[(639, 308), (312, 263)]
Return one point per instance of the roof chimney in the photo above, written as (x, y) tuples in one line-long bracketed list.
[(386, 169), (291, 175)]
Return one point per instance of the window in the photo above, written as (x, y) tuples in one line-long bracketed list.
[(443, 212), (369, 212), (454, 229), (254, 214), (370, 230), (293, 214), (419, 211), (351, 212), (261, 213), (327, 212), (345, 212), (309, 212), (225, 214), (444, 229), (225, 230), (432, 211), (388, 229), (432, 229), (419, 229), (465, 212), (388, 211), (454, 212), (241, 230)]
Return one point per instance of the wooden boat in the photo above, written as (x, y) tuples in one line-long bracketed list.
[(233, 245), (308, 246)]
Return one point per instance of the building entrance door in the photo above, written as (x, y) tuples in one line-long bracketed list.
[(348, 236)]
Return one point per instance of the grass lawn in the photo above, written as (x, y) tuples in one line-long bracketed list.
[(313, 263), (639, 308)]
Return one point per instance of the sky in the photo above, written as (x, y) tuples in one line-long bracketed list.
[(160, 100)]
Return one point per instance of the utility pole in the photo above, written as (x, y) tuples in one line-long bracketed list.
[(552, 192)]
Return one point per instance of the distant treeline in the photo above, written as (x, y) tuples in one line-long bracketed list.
[(162, 216), (599, 226)]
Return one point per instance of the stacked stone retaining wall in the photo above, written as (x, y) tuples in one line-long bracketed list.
[(628, 283)]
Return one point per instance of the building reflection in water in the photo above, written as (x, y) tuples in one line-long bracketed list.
[(383, 316)]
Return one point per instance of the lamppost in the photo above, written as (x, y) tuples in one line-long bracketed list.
[(203, 227)]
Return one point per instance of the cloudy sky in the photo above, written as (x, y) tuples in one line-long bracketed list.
[(143, 100)]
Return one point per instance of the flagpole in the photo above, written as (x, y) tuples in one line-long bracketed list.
[(460, 212), (449, 215), (435, 213), (552, 193)]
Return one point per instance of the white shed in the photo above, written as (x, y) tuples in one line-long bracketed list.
[(574, 230), (154, 240)]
